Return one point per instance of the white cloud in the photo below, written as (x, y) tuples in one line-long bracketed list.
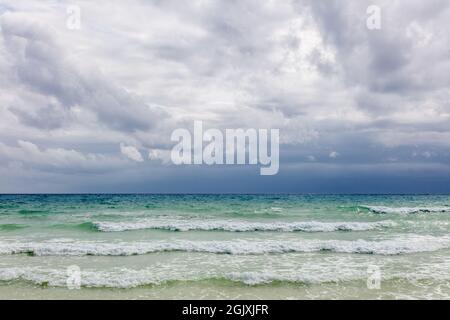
[(160, 154), (333, 154), (131, 152)]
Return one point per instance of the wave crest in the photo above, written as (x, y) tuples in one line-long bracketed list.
[(405, 210), (236, 247), (128, 278), (239, 225)]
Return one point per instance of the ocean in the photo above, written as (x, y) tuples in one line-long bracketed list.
[(145, 246)]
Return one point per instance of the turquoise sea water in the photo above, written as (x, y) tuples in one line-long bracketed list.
[(225, 246)]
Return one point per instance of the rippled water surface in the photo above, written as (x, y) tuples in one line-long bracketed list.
[(225, 246)]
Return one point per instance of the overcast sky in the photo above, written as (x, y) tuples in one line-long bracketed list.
[(92, 109)]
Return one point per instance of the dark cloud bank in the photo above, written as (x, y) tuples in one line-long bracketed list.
[(359, 110)]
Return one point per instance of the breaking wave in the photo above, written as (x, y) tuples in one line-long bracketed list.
[(405, 210), (128, 278), (239, 225), (68, 247)]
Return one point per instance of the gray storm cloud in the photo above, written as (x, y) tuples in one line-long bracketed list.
[(349, 101)]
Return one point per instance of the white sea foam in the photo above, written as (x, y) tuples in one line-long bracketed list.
[(407, 244), (57, 277), (255, 278), (127, 278), (406, 210), (130, 278), (238, 225)]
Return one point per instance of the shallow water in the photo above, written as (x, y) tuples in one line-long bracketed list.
[(225, 246)]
